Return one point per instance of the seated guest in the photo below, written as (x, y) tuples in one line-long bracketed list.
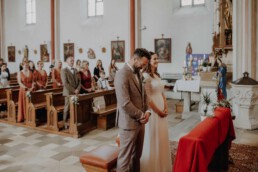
[(25, 80), (103, 82), (41, 77), (4, 75), (97, 70), (86, 84), (6, 69), (56, 75)]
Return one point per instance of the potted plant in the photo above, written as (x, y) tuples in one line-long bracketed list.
[(209, 67), (204, 66), (206, 100)]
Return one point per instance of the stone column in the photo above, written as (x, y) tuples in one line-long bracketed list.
[(244, 38)]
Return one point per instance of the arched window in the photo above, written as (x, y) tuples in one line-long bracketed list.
[(30, 11), (192, 2), (95, 8)]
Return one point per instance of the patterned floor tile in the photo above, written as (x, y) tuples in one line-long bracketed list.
[(26, 150)]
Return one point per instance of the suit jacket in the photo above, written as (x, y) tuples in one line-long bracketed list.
[(131, 99), (71, 81)]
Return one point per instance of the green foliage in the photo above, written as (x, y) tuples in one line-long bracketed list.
[(204, 64), (206, 98)]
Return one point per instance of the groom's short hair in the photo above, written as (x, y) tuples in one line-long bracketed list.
[(142, 52)]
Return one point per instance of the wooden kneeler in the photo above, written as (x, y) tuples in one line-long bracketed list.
[(101, 159)]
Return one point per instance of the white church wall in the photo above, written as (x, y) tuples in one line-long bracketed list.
[(94, 33), (18, 34), (183, 25)]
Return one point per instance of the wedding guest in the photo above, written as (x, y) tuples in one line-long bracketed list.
[(98, 69), (41, 76), (103, 82), (112, 70), (72, 85), (25, 80), (6, 69), (86, 83), (23, 60), (56, 74), (4, 75), (78, 65)]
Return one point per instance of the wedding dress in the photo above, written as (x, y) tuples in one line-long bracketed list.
[(156, 155)]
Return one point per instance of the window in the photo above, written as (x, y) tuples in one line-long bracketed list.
[(95, 8), (30, 11), (192, 2)]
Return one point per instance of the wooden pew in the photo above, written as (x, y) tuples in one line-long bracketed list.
[(12, 103), (55, 105), (36, 101), (82, 118), (106, 115)]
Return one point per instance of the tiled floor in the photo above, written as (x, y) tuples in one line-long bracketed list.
[(27, 150)]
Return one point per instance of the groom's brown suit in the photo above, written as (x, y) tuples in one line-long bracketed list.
[(131, 105)]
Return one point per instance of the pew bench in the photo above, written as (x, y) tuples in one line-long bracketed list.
[(36, 101), (12, 104), (55, 106), (106, 117), (101, 159)]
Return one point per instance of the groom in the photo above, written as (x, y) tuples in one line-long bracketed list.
[(132, 111)]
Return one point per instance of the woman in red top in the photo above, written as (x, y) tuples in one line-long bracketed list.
[(86, 84), (41, 77), (25, 80), (56, 75)]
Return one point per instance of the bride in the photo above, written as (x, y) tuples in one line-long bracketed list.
[(156, 153)]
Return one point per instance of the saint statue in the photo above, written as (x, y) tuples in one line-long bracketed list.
[(26, 52)]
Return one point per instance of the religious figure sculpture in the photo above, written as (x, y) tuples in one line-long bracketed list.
[(26, 52), (221, 80), (188, 49)]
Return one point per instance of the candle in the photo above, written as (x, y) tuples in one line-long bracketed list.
[(184, 63)]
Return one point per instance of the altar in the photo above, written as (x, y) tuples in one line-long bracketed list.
[(187, 87)]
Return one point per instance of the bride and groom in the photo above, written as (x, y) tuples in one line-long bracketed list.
[(141, 113)]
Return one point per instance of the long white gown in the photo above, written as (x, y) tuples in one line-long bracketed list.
[(156, 155)]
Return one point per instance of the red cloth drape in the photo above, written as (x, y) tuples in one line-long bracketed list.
[(196, 149)]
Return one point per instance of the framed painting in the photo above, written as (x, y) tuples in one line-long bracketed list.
[(44, 55), (11, 53), (163, 49), (68, 50), (118, 51)]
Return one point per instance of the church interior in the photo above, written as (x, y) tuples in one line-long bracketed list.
[(195, 40)]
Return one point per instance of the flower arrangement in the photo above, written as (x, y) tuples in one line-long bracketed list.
[(75, 99), (222, 103), (28, 94)]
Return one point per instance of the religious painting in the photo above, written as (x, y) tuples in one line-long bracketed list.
[(163, 49), (118, 51), (44, 54), (68, 50), (11, 53)]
